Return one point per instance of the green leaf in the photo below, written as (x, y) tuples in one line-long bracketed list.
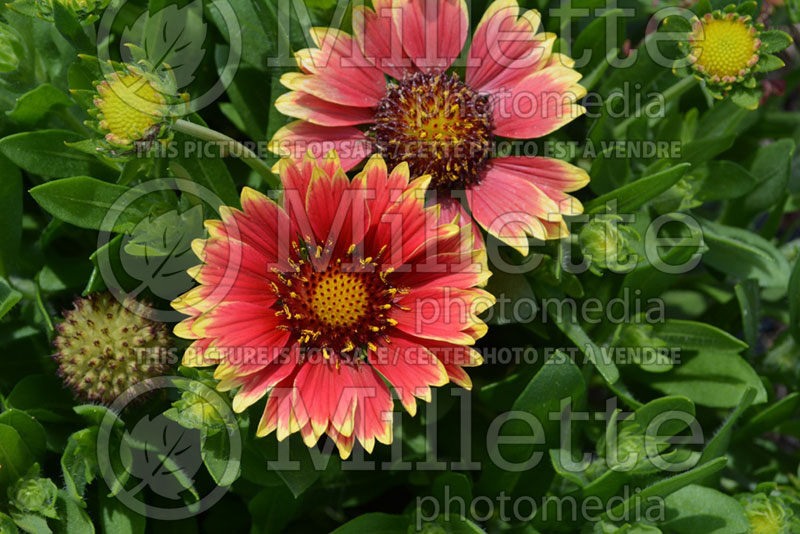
[(7, 525), (794, 301), (631, 196), (714, 379), (749, 302), (44, 152), (718, 445), (10, 215), (743, 254), (690, 335), (88, 203), (723, 180), (774, 40), (79, 461), (557, 380), (30, 430), (66, 22), (217, 459), (8, 297), (770, 417), (210, 172), (299, 478), (768, 63), (700, 510), (569, 325), (668, 486), (15, 457), (771, 168), (11, 48), (116, 518), (746, 98), (375, 523), (74, 519), (272, 509), (38, 103), (43, 397)]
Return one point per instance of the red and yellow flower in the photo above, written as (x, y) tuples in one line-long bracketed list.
[(389, 88), (319, 301)]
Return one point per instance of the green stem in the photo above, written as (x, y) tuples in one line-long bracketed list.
[(226, 143), (674, 91)]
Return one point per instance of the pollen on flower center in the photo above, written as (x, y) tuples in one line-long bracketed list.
[(130, 107), (342, 306), (438, 125), (340, 299), (724, 47)]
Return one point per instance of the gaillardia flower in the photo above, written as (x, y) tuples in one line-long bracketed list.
[(726, 49), (103, 348), (316, 301), (133, 106), (389, 89)]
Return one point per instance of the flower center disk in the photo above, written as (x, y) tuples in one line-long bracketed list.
[(724, 47), (438, 125), (341, 306)]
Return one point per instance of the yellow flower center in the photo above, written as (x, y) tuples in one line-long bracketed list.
[(338, 304), (724, 47), (131, 107), (438, 125), (340, 300)]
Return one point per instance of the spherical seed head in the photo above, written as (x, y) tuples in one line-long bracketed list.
[(104, 348), (726, 47), (131, 107)]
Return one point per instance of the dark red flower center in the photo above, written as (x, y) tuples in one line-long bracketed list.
[(438, 125), (342, 306)]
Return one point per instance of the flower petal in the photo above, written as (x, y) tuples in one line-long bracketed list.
[(538, 104), (378, 40), (511, 208), (298, 137), (337, 71), (300, 105), (409, 367), (433, 32), (506, 46)]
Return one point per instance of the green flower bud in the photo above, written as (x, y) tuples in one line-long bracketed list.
[(605, 242), (34, 495), (104, 348), (771, 514)]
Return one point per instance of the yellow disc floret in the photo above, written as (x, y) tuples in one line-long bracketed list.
[(724, 48), (131, 108), (340, 299)]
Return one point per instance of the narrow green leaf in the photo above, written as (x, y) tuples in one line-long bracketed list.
[(90, 203), (636, 194), (691, 335), (744, 254), (770, 417), (667, 486), (45, 153), (8, 297), (749, 302)]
